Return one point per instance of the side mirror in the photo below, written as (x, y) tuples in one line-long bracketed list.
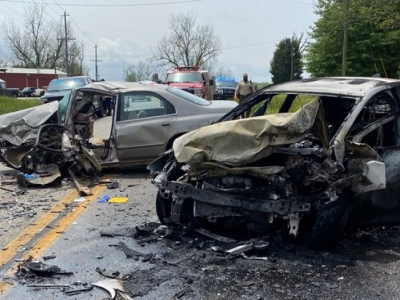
[(211, 82)]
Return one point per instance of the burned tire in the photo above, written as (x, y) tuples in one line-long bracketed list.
[(329, 224), (163, 207)]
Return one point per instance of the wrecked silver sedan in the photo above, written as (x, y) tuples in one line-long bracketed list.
[(58, 137), (315, 157)]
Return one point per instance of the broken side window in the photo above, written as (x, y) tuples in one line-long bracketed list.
[(376, 125), (281, 103)]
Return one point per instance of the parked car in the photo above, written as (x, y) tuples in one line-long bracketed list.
[(316, 156), (28, 92), (225, 88), (58, 88), (146, 120), (10, 92)]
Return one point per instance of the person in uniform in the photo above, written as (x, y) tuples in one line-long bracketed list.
[(244, 89)]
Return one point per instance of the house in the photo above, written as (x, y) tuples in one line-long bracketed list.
[(23, 77)]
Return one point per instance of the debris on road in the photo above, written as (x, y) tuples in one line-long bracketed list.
[(130, 253), (118, 200), (48, 257), (104, 199), (30, 268), (78, 291), (215, 236), (80, 199), (112, 286), (113, 185)]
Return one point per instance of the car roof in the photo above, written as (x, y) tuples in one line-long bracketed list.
[(122, 86), (351, 86)]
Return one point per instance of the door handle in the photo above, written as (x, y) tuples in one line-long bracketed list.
[(165, 124)]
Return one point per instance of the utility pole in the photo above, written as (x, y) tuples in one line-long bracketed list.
[(95, 62), (66, 39), (345, 29), (291, 61)]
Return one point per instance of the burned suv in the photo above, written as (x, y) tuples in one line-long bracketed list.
[(315, 157)]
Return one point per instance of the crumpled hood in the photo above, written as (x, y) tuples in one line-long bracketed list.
[(21, 126), (244, 141)]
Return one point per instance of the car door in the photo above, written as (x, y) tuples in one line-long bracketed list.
[(145, 122), (383, 135)]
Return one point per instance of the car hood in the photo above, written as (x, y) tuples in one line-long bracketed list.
[(243, 141), (55, 94), (221, 106), (21, 127), (182, 85)]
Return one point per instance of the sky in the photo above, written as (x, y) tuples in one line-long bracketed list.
[(249, 29)]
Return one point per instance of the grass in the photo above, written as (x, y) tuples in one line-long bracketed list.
[(277, 101), (8, 104)]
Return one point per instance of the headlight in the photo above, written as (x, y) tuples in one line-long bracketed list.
[(198, 91), (219, 91)]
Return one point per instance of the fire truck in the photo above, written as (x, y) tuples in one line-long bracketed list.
[(192, 80)]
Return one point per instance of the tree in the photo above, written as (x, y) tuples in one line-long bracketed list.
[(187, 44), (287, 50), (223, 72), (373, 38), (41, 43), (140, 71), (76, 56)]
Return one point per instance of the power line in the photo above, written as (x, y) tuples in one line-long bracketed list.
[(108, 5), (81, 31), (17, 14), (76, 26)]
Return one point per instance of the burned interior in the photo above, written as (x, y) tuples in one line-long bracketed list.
[(315, 155)]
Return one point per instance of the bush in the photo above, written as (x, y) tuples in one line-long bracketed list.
[(8, 104)]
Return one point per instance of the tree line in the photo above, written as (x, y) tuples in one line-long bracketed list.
[(373, 29), (41, 43)]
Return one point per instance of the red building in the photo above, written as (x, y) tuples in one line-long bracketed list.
[(21, 77)]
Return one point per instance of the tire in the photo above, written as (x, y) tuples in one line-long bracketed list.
[(329, 224), (163, 208), (14, 95)]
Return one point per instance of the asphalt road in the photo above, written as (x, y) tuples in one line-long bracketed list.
[(365, 265)]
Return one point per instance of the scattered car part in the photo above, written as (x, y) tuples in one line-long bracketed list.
[(215, 236)]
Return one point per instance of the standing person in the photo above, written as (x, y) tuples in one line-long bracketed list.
[(244, 89)]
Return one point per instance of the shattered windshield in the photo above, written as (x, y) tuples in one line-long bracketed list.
[(184, 77), (65, 84), (62, 107)]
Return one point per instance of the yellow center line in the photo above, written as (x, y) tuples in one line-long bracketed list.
[(45, 242)]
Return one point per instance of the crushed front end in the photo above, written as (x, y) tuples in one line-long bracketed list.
[(269, 173)]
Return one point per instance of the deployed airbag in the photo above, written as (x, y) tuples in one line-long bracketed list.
[(244, 141)]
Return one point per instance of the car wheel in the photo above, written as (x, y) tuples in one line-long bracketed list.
[(163, 207), (329, 223), (14, 95)]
